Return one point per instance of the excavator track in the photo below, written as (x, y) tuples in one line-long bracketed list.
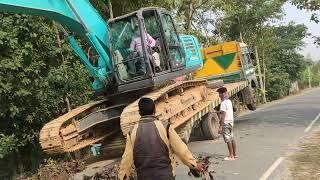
[(81, 127), (173, 104), (181, 104)]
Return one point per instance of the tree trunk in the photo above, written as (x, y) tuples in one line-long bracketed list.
[(66, 98), (264, 74), (110, 9), (67, 103), (260, 76), (240, 33), (58, 39), (189, 17), (309, 76), (19, 163)]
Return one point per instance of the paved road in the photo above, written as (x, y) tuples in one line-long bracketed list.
[(262, 138)]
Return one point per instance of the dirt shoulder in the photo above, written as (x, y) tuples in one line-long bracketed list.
[(304, 162)]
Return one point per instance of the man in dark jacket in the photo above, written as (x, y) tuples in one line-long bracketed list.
[(150, 148)]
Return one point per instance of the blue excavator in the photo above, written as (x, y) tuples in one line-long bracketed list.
[(134, 55)]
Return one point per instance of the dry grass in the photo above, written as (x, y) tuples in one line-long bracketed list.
[(305, 161)]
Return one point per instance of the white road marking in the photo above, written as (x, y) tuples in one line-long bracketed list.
[(311, 124), (271, 168)]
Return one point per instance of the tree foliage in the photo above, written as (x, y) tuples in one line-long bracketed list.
[(311, 5), (287, 40), (247, 18), (284, 64), (311, 73), (8, 144), (122, 7), (34, 79)]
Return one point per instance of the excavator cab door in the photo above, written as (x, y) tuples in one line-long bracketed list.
[(172, 42), (128, 49), (167, 54)]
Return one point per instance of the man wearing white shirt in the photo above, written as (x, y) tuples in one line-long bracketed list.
[(226, 123)]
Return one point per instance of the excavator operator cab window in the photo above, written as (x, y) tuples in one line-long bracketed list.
[(157, 52), (172, 40), (127, 48)]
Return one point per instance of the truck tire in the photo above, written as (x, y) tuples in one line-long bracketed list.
[(250, 98), (236, 106), (252, 107), (207, 128), (210, 125)]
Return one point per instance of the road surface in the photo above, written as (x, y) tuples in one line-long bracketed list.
[(264, 138)]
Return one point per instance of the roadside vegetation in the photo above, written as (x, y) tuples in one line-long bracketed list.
[(41, 78), (305, 161)]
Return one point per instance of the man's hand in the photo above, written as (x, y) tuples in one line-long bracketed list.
[(196, 172), (220, 130), (200, 167)]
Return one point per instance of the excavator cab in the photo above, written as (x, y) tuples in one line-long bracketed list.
[(146, 49)]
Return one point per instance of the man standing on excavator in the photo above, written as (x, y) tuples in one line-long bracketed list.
[(150, 148)]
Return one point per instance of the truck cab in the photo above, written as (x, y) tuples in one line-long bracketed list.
[(248, 63)]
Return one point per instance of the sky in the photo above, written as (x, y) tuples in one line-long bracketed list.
[(303, 17)]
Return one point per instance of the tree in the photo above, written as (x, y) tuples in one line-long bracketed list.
[(192, 12), (246, 18), (284, 64), (34, 81), (311, 74), (311, 5), (246, 21)]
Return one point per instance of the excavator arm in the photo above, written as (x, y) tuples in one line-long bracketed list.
[(78, 16)]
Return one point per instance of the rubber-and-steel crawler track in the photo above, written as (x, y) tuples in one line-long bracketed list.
[(181, 104), (172, 103), (67, 133)]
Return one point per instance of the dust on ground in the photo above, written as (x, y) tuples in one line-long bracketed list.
[(304, 162)]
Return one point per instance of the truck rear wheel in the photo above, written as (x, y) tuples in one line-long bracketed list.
[(207, 129), (236, 106), (250, 95), (210, 125)]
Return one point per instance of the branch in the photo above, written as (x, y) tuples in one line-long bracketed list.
[(201, 4)]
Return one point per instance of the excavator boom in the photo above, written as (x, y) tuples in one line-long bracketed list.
[(77, 15)]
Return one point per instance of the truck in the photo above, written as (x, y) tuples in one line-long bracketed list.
[(234, 63), (121, 75)]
